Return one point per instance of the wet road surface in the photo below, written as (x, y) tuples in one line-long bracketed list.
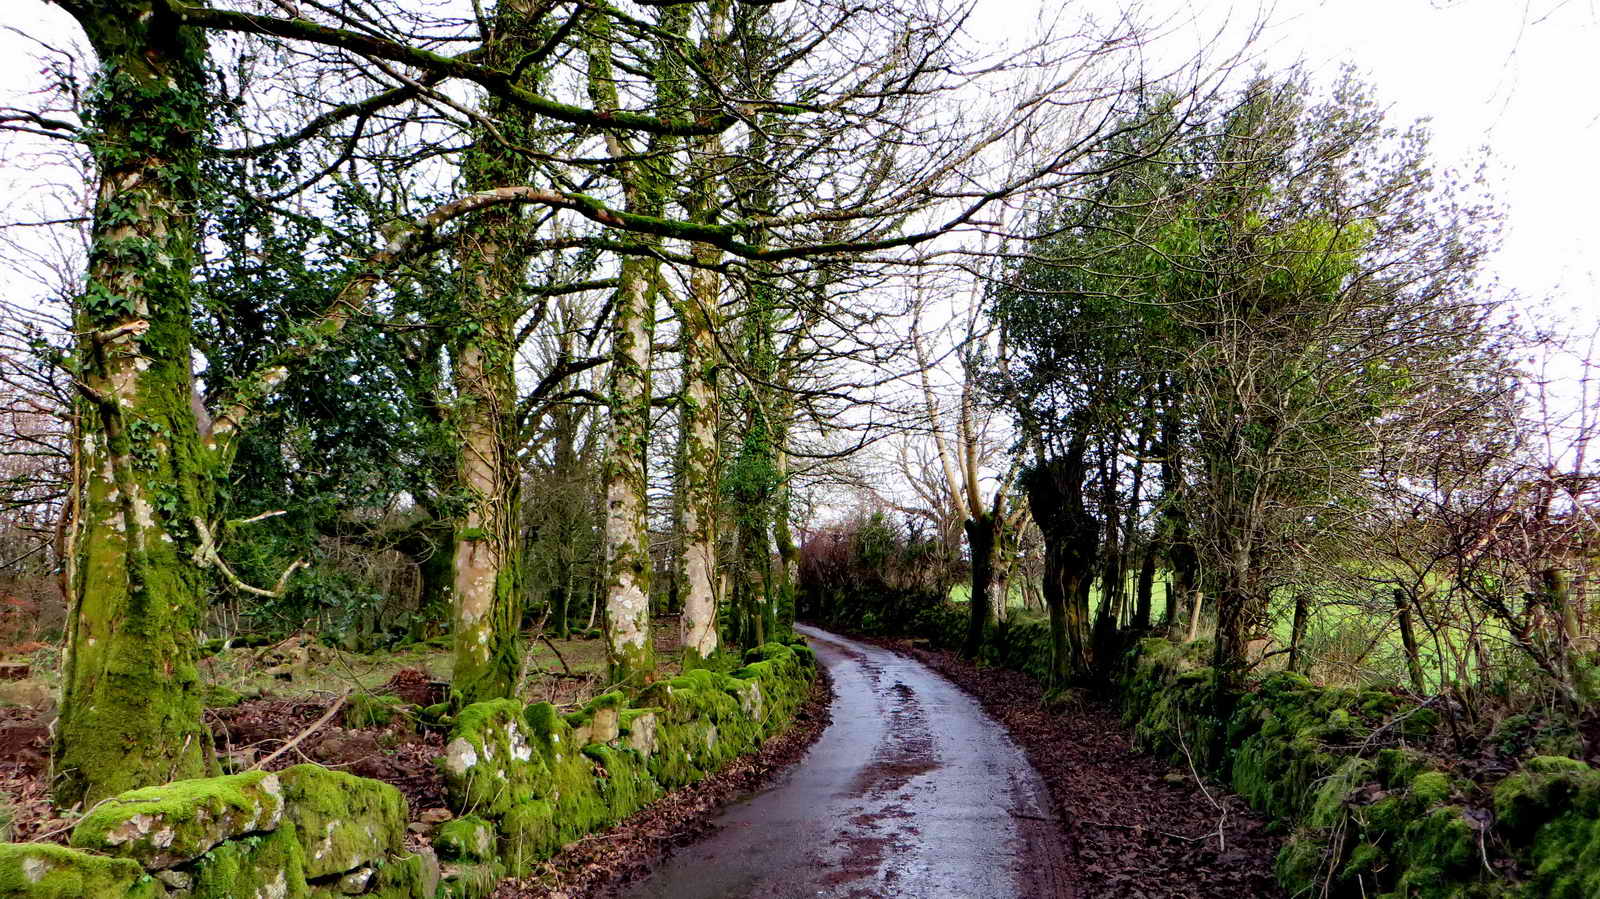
[(912, 791)]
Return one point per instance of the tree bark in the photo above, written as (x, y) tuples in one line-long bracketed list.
[(131, 703), (1071, 535), (982, 541), (631, 654), (1408, 641), (1143, 593), (1297, 633)]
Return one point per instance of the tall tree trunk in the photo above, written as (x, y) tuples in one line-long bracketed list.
[(982, 540), (1112, 593), (1071, 536), (1143, 592), (698, 320), (698, 407), (628, 568), (1408, 640), (631, 653), (487, 555), (131, 705), (786, 574)]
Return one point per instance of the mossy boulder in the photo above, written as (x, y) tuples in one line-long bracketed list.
[(412, 876), (1546, 787), (465, 839), (489, 764), (44, 871), (1551, 809), (527, 835), (469, 880), (684, 752), (1438, 855), (622, 780), (164, 826), (638, 731), (264, 865), (342, 821), (600, 720)]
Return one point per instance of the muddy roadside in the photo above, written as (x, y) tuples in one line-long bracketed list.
[(1133, 826)]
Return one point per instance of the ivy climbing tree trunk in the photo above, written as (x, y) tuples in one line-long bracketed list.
[(131, 701), (644, 183), (487, 555), (486, 560), (1054, 488), (698, 320)]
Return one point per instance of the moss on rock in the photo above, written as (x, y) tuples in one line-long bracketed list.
[(1551, 808), (412, 876), (528, 835), (465, 839), (469, 880), (266, 866), (342, 821), (171, 824), (44, 871), (490, 765)]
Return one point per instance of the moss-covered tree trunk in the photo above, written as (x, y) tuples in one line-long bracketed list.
[(645, 179), (1071, 535), (787, 573), (698, 320), (131, 703), (698, 485), (487, 554)]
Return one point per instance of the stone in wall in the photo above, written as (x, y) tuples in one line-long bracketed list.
[(42, 871), (164, 826), (489, 765)]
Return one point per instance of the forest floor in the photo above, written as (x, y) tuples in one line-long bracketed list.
[(269, 707), (1134, 826)]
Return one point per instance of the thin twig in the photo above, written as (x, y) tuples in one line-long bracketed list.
[(1222, 839), (316, 726)]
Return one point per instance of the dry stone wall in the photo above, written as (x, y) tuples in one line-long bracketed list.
[(523, 781)]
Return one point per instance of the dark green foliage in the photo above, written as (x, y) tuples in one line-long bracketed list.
[(870, 576)]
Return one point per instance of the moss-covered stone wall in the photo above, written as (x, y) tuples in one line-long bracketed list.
[(526, 780), (1366, 813), (305, 831), (523, 781)]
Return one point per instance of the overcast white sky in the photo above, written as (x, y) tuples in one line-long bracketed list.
[(1514, 76)]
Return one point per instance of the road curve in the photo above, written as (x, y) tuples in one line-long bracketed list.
[(912, 791)]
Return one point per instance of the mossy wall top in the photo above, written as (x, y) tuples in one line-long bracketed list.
[(523, 781)]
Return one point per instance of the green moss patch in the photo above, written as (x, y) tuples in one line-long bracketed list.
[(467, 839), (263, 865), (43, 871), (167, 825), (490, 765), (342, 821)]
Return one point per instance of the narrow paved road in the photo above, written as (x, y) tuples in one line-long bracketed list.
[(911, 792)]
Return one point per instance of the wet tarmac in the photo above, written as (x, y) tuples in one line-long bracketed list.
[(912, 791)]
